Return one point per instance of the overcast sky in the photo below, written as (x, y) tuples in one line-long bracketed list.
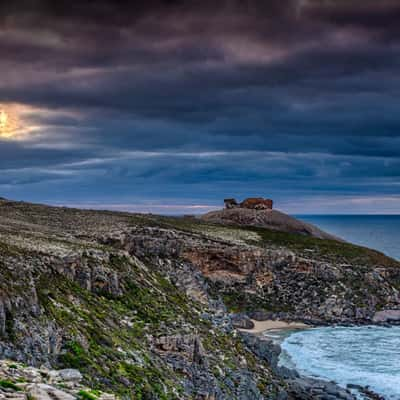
[(174, 105)]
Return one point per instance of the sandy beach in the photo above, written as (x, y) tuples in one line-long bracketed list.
[(269, 325)]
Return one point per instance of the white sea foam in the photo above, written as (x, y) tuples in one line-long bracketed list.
[(359, 355)]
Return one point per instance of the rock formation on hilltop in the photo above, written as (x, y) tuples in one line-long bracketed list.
[(258, 212), (146, 306), (253, 203)]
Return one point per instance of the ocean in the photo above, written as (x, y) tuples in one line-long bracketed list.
[(367, 355), (380, 232)]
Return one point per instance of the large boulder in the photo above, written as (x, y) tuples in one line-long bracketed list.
[(242, 321), (70, 375), (386, 316), (41, 391)]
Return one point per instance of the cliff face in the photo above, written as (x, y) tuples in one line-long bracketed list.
[(139, 303), (269, 281)]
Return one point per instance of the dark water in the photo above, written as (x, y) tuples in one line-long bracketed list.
[(380, 232)]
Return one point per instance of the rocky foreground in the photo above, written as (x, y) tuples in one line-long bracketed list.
[(146, 307), (20, 382)]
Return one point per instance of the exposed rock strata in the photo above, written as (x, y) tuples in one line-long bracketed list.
[(283, 283)]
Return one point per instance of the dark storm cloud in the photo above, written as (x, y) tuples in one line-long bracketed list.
[(299, 94)]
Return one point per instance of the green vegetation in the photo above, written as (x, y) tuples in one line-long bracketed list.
[(115, 352), (9, 385), (114, 355), (85, 395), (237, 300)]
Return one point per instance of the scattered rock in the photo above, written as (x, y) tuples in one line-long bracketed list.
[(19, 382), (70, 375)]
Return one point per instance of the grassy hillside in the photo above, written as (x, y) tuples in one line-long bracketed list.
[(73, 302)]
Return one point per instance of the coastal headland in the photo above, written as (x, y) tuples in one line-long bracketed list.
[(150, 307)]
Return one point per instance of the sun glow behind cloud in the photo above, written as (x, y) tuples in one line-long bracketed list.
[(15, 121), (8, 122)]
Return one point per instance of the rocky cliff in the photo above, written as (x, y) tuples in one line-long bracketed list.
[(143, 305)]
